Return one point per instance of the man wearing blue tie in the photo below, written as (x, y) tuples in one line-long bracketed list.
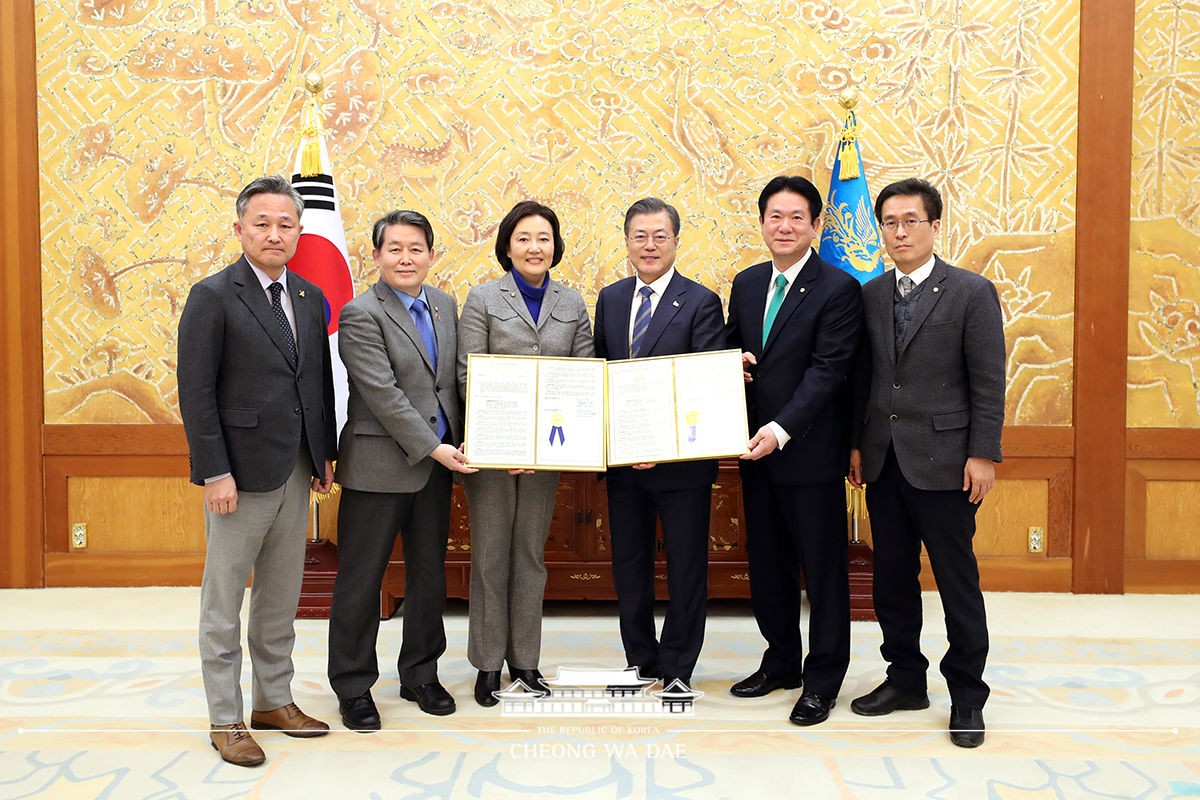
[(797, 320), (659, 312), (398, 342)]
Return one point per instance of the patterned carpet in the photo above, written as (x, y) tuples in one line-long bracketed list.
[(1092, 697)]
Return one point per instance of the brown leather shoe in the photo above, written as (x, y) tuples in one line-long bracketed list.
[(289, 719), (236, 745)]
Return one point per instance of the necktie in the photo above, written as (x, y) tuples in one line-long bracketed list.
[(773, 307), (277, 306), (420, 316), (640, 323), (906, 285)]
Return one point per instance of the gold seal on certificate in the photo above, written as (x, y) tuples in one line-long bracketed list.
[(583, 414)]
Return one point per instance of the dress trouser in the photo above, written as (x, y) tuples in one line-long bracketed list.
[(795, 530), (510, 519), (632, 512), (902, 518), (265, 535), (368, 523)]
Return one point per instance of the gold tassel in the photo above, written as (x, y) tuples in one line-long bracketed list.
[(856, 500), (312, 131), (310, 159), (849, 153)]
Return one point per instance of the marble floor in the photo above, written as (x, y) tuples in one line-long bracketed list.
[(1092, 697)]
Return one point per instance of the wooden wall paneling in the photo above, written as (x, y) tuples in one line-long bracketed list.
[(1105, 140), (137, 514), (20, 303), (65, 567), (1162, 443), (1160, 521)]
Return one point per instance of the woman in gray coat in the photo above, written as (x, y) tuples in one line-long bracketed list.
[(523, 312)]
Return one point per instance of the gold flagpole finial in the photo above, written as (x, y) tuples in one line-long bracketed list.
[(848, 155), (312, 129)]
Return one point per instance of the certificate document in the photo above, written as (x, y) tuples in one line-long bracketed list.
[(584, 414), (676, 408), (535, 413)]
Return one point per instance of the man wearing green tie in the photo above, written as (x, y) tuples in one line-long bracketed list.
[(797, 322)]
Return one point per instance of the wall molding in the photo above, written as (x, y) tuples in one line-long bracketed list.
[(20, 303)]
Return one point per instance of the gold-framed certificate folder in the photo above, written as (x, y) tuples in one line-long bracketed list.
[(528, 412), (676, 408)]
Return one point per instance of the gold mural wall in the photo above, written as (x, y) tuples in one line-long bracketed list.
[(1164, 269), (153, 113)]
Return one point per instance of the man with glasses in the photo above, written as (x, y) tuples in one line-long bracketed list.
[(659, 312), (932, 383), (797, 320)]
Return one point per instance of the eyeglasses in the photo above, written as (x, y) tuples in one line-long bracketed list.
[(659, 239), (908, 224)]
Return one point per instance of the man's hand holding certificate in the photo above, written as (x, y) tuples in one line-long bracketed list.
[(587, 414)]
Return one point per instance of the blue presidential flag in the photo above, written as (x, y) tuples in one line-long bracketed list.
[(850, 236)]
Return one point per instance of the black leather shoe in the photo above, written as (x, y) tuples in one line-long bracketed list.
[(532, 679), (359, 713), (487, 683), (762, 683), (811, 709), (431, 697), (886, 698), (649, 672), (966, 726)]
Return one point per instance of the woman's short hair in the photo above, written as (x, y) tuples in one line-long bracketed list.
[(526, 208)]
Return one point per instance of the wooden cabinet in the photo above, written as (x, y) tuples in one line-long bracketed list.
[(578, 560)]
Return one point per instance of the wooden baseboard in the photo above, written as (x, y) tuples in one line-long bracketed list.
[(124, 569), (1014, 574), (1161, 576)]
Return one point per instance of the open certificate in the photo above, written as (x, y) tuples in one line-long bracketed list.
[(676, 408), (535, 413)]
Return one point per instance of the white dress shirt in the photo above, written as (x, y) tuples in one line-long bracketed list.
[(919, 274)]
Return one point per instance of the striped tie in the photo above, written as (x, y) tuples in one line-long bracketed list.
[(640, 323), (277, 306)]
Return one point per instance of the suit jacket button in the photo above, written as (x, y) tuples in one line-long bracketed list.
[(895, 386), (433, 420), (295, 411), (533, 347), (892, 417)]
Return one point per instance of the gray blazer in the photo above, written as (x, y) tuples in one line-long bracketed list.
[(939, 397), (391, 416), (245, 406), (495, 320)]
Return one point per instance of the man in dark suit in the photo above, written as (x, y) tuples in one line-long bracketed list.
[(256, 397), (397, 340), (797, 320), (932, 383), (659, 312)]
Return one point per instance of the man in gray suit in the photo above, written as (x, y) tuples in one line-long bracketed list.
[(930, 400), (398, 342), (256, 397)]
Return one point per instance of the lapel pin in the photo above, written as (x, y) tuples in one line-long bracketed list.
[(512, 294), (675, 303), (302, 293), (801, 290), (935, 288)]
